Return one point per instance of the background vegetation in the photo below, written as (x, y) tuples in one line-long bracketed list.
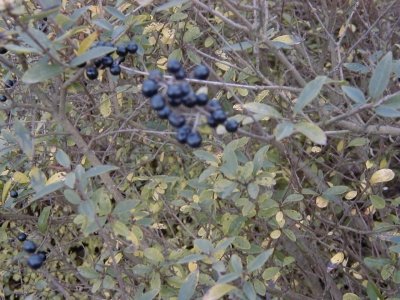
[(301, 203)]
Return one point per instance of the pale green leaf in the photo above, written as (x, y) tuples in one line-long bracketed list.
[(313, 132), (309, 93), (380, 77)]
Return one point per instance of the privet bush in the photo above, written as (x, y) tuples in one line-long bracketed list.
[(300, 200)]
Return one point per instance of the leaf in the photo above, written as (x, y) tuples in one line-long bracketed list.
[(358, 142), (382, 175), (115, 12), (218, 291), (48, 189), (312, 131), (354, 94), (20, 177), (226, 278), (270, 273), (387, 111), (262, 109), (259, 261), (236, 263), (286, 41), (170, 4), (356, 68), (91, 54), (88, 272), (350, 296), (207, 157), (24, 139), (283, 130), (249, 291), (72, 197), (44, 219), (41, 71), (336, 190), (191, 258), (380, 77), (188, 288), (203, 245), (309, 93), (293, 214), (105, 106), (63, 159), (87, 42), (377, 202), (98, 170), (241, 46), (154, 255)]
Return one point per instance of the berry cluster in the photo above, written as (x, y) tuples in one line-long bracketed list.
[(108, 61), (35, 260), (179, 93)]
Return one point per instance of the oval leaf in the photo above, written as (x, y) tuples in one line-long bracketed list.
[(382, 175), (312, 131), (309, 93), (188, 287), (381, 76), (354, 94), (217, 291), (259, 261), (41, 71)]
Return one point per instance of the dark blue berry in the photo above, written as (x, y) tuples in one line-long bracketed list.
[(174, 91), (9, 83), (132, 47), (157, 102), (14, 194), (164, 113), (97, 62), (176, 120), (43, 254), (155, 75), (194, 139), (185, 89), (173, 66), (107, 61), (201, 72), (211, 122), (174, 101), (149, 88), (115, 69), (29, 246), (180, 75), (121, 50), (3, 50), (91, 73), (201, 99), (219, 116), (231, 125), (182, 134), (108, 44), (189, 100), (214, 105), (35, 261), (22, 236), (3, 98)]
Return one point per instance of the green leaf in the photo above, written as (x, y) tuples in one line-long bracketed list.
[(44, 219), (48, 189), (203, 245), (41, 71), (283, 130), (290, 234), (387, 111), (380, 77), (309, 93), (91, 54), (357, 142), (241, 243), (293, 214), (218, 291), (262, 109), (259, 261), (207, 157), (350, 296), (24, 139), (312, 131), (249, 291), (98, 170), (226, 278), (373, 291), (88, 272), (236, 264), (293, 198), (63, 159), (270, 273), (170, 4), (336, 190), (154, 255), (115, 12), (253, 189), (377, 202), (150, 295), (188, 288), (241, 46), (72, 197), (354, 94), (356, 68), (191, 258)]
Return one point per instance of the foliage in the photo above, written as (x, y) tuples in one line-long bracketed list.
[(301, 203)]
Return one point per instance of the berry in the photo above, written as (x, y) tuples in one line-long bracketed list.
[(201, 99), (189, 100), (122, 51), (185, 88), (42, 254), (219, 116), (194, 139), (107, 61), (115, 69), (149, 88), (174, 101), (173, 66), (9, 83), (182, 134), (211, 122), (14, 194), (97, 62), (82, 65), (174, 91), (108, 44), (155, 75), (201, 72), (22, 236), (176, 120), (214, 105), (231, 125), (3, 50), (3, 98), (91, 73), (180, 75), (29, 246), (164, 113), (132, 47), (157, 102), (35, 261)]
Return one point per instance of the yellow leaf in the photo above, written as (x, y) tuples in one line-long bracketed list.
[(6, 189), (105, 106), (279, 216), (340, 146), (20, 177), (350, 195), (56, 177), (222, 66), (275, 234), (218, 291), (144, 2), (350, 296), (87, 42), (382, 175), (287, 39), (242, 92), (337, 258), (192, 266), (321, 202), (369, 164)]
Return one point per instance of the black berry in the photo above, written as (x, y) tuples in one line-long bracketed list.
[(97, 62), (92, 73), (194, 139), (173, 66), (22, 236), (115, 69), (213, 105), (189, 100), (201, 99), (185, 88), (121, 50), (211, 122), (157, 102), (149, 88), (9, 83), (231, 125), (174, 101), (201, 72), (42, 254), (35, 261), (3, 98), (132, 47), (164, 113), (182, 134), (14, 194), (29, 246), (174, 91), (107, 61), (176, 120), (3, 50), (180, 75), (219, 116), (155, 75)]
